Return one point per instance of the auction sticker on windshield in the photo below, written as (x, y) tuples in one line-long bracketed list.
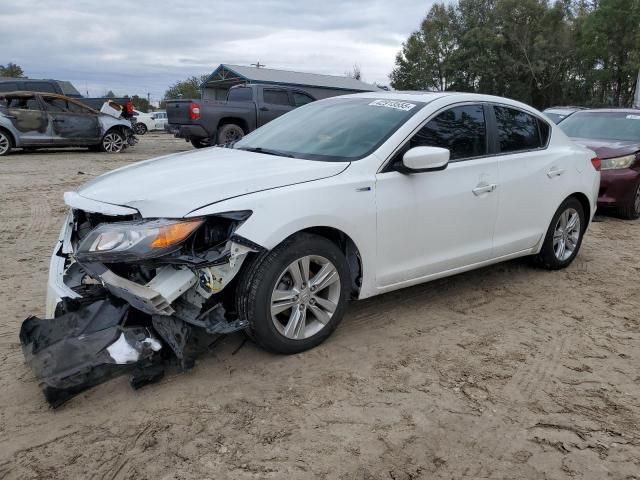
[(404, 106), (633, 117)]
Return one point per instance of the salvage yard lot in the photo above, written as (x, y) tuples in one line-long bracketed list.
[(505, 372)]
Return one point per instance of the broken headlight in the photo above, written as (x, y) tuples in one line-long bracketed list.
[(138, 240)]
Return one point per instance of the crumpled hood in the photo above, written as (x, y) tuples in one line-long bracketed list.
[(175, 185), (609, 148)]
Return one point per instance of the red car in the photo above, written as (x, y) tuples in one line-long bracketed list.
[(614, 134)]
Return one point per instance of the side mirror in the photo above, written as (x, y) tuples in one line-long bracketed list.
[(424, 159)]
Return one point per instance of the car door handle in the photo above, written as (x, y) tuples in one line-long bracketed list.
[(11, 116), (264, 109), (555, 172), (58, 120), (480, 189)]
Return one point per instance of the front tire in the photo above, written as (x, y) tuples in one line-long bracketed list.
[(113, 142), (631, 211), (295, 295), (6, 143), (564, 236)]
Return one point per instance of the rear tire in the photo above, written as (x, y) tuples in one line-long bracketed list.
[(6, 143), (113, 142), (290, 313), (564, 236), (631, 211), (229, 133), (140, 128)]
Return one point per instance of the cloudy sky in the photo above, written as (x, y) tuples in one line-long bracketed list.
[(135, 47)]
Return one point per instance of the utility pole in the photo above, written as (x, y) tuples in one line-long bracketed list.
[(636, 97)]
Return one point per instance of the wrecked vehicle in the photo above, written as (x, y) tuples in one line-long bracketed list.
[(344, 198), (35, 120), (66, 88)]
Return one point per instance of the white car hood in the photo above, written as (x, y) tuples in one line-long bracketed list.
[(175, 185)]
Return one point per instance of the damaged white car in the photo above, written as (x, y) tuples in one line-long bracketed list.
[(341, 199)]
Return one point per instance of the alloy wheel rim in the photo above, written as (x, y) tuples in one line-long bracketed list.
[(637, 201), (113, 143), (4, 143), (566, 234), (305, 297), (232, 136)]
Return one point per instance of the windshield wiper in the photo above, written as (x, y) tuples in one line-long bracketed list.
[(267, 151)]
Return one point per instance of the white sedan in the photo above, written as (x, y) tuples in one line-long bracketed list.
[(146, 122), (344, 198)]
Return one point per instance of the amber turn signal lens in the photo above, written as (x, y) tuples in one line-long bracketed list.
[(175, 233)]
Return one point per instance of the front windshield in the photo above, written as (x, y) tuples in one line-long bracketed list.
[(622, 126), (335, 130)]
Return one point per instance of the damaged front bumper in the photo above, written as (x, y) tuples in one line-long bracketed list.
[(81, 349), (103, 319)]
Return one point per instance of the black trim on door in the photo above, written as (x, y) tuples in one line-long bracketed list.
[(492, 129)]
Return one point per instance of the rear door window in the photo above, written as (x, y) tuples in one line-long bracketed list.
[(242, 94), (23, 103), (300, 99), (518, 130), (8, 87), (45, 87), (276, 97)]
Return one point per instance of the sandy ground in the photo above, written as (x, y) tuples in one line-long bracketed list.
[(506, 372)]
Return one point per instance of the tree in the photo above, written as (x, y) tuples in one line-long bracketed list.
[(110, 94), (608, 41), (141, 103), (541, 52), (11, 70), (355, 72), (189, 88), (426, 59)]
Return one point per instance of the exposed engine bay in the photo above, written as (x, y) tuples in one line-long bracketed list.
[(133, 296)]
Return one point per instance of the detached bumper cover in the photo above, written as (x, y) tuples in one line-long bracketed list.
[(80, 349)]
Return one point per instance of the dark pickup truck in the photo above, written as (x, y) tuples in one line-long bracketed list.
[(211, 122), (65, 88)]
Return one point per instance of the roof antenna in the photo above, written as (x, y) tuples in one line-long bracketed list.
[(258, 65)]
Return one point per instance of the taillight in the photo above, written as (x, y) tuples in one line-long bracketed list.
[(194, 111), (597, 163), (129, 107)]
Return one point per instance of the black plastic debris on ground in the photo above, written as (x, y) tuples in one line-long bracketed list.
[(83, 348)]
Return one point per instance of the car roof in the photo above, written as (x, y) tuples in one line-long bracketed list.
[(564, 109), (635, 111), (46, 94)]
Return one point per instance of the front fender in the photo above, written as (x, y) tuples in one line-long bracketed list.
[(342, 202)]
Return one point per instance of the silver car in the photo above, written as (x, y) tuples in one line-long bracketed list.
[(32, 120)]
